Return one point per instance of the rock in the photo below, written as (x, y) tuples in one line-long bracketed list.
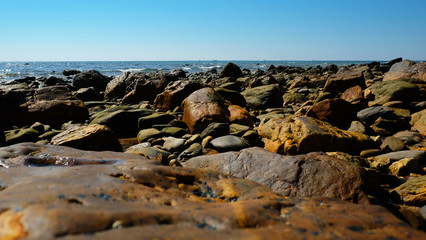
[(357, 126), (413, 192), (215, 130), (405, 166), (231, 70), (88, 94), (39, 127), (148, 133), (238, 130), (49, 135), (127, 196), (229, 143), (70, 72), (174, 94), (239, 115), (407, 70), (393, 61), (371, 114), (174, 131), (193, 150), (10, 102), (55, 112), (312, 175), (144, 91), (173, 144), (392, 143), (123, 84), (418, 121), (395, 90), (123, 121), (92, 137), (345, 78), (263, 97), (52, 81), (155, 118), (232, 96), (91, 78), (305, 134), (409, 137), (253, 138), (385, 160), (336, 111), (53, 93), (21, 135), (149, 152), (262, 81), (203, 107)]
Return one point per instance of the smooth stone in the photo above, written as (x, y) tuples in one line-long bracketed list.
[(238, 130), (90, 78), (215, 130), (174, 131), (155, 118), (231, 70), (369, 115), (409, 137), (148, 133), (193, 150), (392, 143), (229, 143), (147, 151), (192, 139), (173, 144), (357, 126)]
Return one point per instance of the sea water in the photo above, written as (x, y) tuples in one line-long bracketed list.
[(17, 70)]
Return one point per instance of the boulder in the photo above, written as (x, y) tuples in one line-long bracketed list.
[(203, 107), (52, 81), (395, 90), (311, 175), (304, 134), (371, 114), (239, 115), (418, 121), (144, 90), (154, 118), (413, 192), (88, 94), (53, 93), (174, 94), (92, 137), (393, 61), (229, 143), (70, 72), (345, 78), (407, 70), (123, 84), (91, 78), (215, 130), (231, 70), (336, 111), (262, 97), (232, 96), (108, 195)]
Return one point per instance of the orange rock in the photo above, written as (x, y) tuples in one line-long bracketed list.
[(239, 115)]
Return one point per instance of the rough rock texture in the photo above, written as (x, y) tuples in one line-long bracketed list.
[(123, 84), (106, 195), (263, 97), (203, 107), (231, 70), (143, 91), (53, 93), (312, 175), (90, 78), (92, 137), (305, 134), (344, 79), (407, 70), (418, 121), (174, 94), (336, 111), (239, 115), (395, 90), (413, 192)]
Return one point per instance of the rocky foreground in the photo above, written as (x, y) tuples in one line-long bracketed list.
[(290, 153)]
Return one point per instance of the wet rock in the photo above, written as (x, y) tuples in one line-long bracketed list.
[(418, 121), (92, 137), (336, 111), (305, 134), (312, 175), (215, 130), (239, 115), (229, 143), (91, 78), (413, 192), (263, 97), (147, 151), (395, 90), (231, 70), (70, 72), (108, 201), (21, 135), (148, 133), (88, 94), (193, 150), (174, 94), (203, 107), (407, 70)]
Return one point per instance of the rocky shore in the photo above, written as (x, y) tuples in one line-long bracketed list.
[(288, 153)]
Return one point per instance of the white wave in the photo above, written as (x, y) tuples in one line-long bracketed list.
[(132, 70), (187, 68), (209, 67)]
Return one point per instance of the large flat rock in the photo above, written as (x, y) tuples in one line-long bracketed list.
[(55, 192)]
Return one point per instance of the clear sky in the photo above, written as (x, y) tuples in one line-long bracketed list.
[(69, 30)]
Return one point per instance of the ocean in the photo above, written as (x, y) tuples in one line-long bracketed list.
[(17, 70)]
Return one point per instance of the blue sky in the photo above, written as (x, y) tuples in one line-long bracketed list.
[(205, 30)]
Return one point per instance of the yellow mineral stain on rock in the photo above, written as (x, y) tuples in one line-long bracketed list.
[(10, 226)]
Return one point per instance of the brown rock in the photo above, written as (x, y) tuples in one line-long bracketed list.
[(305, 134), (407, 70), (413, 192), (174, 94), (344, 79), (143, 91), (418, 121), (126, 196), (54, 93), (353, 94), (203, 107), (92, 137), (336, 111), (239, 115), (312, 175)]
